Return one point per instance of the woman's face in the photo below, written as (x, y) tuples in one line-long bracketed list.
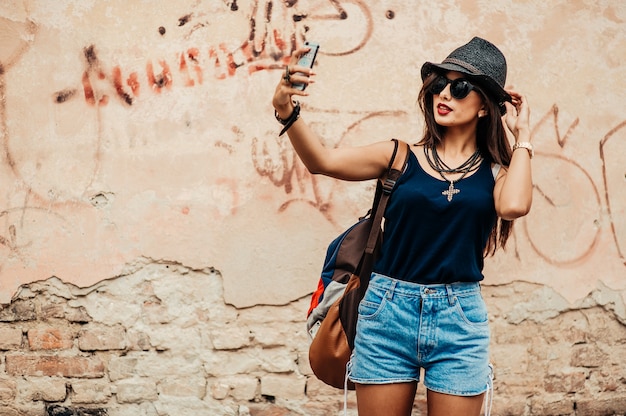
[(454, 112)]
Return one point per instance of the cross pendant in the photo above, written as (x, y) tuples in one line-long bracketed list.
[(451, 191)]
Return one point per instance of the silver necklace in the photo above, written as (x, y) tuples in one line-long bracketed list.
[(438, 165)]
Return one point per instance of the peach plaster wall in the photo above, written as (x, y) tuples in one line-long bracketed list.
[(136, 130)]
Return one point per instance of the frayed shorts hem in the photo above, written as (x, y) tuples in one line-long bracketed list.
[(457, 393), (384, 381)]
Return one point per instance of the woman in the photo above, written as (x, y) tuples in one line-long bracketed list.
[(462, 187)]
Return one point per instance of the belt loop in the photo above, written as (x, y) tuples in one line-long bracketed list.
[(451, 297), (392, 288)]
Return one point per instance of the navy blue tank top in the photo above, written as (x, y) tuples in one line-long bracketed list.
[(428, 239)]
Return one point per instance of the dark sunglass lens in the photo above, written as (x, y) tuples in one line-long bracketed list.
[(460, 88), (438, 84)]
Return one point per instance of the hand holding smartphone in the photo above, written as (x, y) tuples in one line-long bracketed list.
[(307, 60)]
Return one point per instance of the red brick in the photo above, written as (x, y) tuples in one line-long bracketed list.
[(50, 339), (33, 365)]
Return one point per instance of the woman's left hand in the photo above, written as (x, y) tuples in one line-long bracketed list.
[(517, 117)]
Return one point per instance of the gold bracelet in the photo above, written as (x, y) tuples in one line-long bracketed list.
[(525, 145)]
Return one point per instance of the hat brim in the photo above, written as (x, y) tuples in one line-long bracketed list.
[(492, 87)]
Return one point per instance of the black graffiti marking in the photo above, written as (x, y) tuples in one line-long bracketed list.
[(63, 96), (232, 5), (90, 56), (26, 215), (360, 26), (268, 12), (182, 21)]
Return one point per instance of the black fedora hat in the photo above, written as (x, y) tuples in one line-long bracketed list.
[(482, 61)]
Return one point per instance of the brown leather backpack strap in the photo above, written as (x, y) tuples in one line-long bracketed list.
[(393, 155), (402, 151), (395, 170), (388, 182)]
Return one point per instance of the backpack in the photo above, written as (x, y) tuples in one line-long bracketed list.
[(332, 315)]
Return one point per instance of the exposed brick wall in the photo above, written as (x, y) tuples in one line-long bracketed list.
[(161, 341)]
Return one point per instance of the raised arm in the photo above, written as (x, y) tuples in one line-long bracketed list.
[(514, 186), (348, 163)]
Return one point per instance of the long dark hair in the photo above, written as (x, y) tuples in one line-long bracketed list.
[(491, 141)]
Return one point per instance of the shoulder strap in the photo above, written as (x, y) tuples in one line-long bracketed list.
[(393, 155), (384, 189), (382, 197)]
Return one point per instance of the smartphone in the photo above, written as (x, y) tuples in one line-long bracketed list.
[(307, 60)]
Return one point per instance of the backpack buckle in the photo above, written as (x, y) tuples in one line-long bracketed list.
[(388, 185)]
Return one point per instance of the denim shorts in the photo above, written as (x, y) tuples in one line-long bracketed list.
[(403, 327)]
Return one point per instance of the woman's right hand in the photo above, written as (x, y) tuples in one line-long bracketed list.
[(293, 73), (517, 118)]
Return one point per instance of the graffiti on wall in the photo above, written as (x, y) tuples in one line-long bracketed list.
[(274, 29), (555, 187)]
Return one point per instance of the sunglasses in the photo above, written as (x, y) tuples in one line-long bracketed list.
[(459, 88)]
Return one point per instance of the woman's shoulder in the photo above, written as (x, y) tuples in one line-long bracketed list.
[(402, 155)]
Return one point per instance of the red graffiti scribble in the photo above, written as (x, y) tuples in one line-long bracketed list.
[(192, 54), (188, 82), (93, 97), (133, 83), (280, 42), (90, 97), (554, 115), (119, 87), (227, 57), (284, 169), (161, 80), (555, 213), (610, 208), (265, 48), (586, 241)]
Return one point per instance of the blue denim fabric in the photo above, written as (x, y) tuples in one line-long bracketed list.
[(405, 326)]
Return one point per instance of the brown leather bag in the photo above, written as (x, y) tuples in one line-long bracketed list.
[(333, 332)]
